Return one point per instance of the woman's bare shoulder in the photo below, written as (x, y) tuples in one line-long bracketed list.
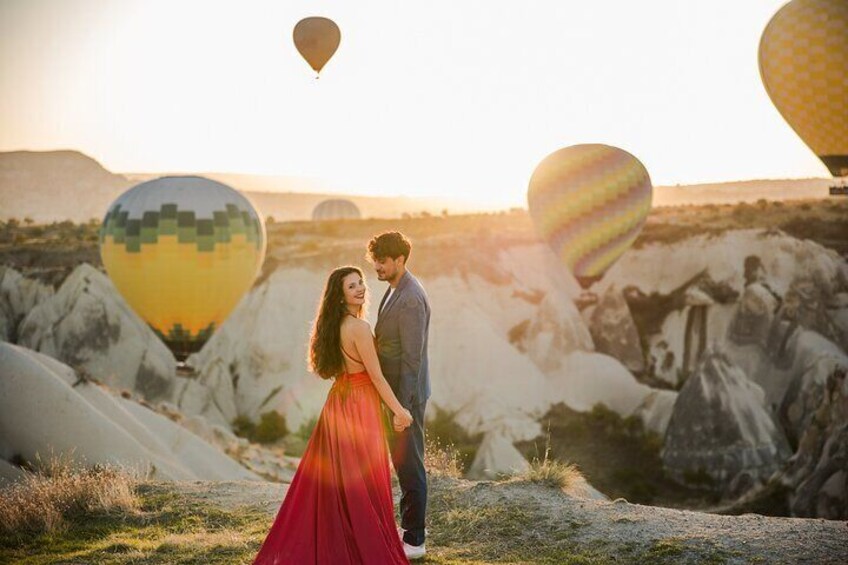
[(356, 326)]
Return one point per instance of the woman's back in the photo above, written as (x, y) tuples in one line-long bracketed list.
[(352, 361)]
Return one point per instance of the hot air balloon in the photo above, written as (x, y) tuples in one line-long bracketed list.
[(336, 209), (182, 251), (316, 39), (589, 203), (804, 67)]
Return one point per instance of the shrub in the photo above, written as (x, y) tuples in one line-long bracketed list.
[(304, 431), (552, 473), (745, 214), (442, 461), (57, 489), (442, 429), (295, 443), (243, 427), (271, 427)]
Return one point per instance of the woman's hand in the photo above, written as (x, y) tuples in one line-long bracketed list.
[(402, 420)]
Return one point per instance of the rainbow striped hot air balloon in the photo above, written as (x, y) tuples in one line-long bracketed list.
[(589, 202), (182, 251)]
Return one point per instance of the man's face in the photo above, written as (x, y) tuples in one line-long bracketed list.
[(387, 268)]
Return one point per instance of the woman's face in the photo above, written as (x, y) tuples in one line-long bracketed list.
[(354, 289)]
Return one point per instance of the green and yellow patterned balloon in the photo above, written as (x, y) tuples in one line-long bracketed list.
[(589, 202), (182, 251)]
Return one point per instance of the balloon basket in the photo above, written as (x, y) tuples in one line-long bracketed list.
[(840, 188), (585, 300), (185, 370)]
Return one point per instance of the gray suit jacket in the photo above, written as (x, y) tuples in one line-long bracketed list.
[(401, 331)]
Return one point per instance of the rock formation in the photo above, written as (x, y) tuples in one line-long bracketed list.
[(688, 291), (18, 295), (614, 331), (656, 409), (720, 435), (497, 457), (818, 472), (46, 408)]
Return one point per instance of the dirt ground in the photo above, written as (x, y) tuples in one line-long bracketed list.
[(520, 515)]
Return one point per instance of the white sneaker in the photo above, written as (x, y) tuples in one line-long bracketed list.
[(401, 530), (414, 551)]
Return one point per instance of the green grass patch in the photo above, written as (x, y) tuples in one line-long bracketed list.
[(467, 529), (671, 551)]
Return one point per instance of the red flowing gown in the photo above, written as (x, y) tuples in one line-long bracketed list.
[(338, 509)]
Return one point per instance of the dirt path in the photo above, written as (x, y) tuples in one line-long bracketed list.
[(501, 522), (750, 538)]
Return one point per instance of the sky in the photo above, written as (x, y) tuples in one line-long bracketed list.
[(457, 98)]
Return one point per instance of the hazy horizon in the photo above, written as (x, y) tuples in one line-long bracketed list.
[(435, 101), (67, 184)]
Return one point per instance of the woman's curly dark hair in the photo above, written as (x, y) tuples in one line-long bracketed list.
[(325, 343)]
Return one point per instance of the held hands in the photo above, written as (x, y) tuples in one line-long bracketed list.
[(402, 420)]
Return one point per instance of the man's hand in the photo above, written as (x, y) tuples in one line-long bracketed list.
[(402, 421)]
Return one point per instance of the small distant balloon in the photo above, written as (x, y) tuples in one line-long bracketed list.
[(589, 203), (316, 40), (804, 67), (336, 209)]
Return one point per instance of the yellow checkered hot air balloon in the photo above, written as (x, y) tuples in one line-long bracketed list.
[(182, 251), (804, 67), (589, 203)]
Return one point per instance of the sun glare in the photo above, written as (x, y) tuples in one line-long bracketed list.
[(437, 99)]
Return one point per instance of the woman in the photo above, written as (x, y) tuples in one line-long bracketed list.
[(338, 509)]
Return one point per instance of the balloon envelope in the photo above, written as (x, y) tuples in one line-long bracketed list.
[(317, 40), (589, 202), (804, 67), (182, 251), (336, 209)]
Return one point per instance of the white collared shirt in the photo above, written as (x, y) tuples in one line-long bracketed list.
[(389, 297)]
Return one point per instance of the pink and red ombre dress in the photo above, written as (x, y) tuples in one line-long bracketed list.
[(339, 509)]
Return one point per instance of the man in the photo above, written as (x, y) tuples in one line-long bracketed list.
[(403, 321)]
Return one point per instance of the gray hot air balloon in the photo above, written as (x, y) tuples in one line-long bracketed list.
[(336, 209)]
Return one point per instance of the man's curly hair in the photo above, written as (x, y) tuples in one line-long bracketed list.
[(391, 244)]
